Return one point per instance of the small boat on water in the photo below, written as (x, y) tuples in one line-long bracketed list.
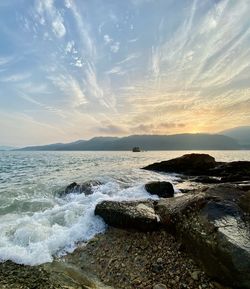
[(136, 149)]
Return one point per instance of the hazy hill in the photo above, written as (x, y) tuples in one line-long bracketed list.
[(147, 142), (6, 148), (241, 134)]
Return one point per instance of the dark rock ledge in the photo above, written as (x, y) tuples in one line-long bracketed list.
[(205, 166)]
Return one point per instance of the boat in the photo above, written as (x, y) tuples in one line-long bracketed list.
[(136, 149)]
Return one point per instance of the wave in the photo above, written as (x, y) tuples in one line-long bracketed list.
[(34, 238)]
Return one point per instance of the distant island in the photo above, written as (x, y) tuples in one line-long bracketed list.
[(186, 141), (6, 148)]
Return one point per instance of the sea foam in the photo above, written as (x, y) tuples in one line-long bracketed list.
[(35, 238)]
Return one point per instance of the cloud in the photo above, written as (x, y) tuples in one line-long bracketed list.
[(133, 40), (87, 42), (156, 60), (47, 12), (28, 131), (129, 58), (70, 46), (192, 66), (15, 77), (140, 2), (5, 60), (67, 3), (78, 63), (58, 27), (116, 70), (111, 130), (92, 84), (115, 47), (159, 128), (70, 87), (107, 39)]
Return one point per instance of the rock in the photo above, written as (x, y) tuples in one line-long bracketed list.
[(206, 180), (159, 260), (214, 227), (135, 215), (239, 168), (188, 164), (160, 286), (161, 189), (195, 275), (71, 188), (86, 188), (185, 191), (205, 166), (244, 202), (245, 186)]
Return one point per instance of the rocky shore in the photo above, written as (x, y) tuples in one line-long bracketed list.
[(200, 239)]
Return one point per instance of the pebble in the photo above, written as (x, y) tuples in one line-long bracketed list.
[(143, 261), (195, 275), (160, 286)]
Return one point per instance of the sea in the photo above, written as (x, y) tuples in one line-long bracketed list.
[(38, 224)]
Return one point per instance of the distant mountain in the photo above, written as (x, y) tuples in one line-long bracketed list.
[(146, 142), (241, 134), (6, 148)]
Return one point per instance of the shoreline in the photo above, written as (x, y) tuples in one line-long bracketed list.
[(116, 259)]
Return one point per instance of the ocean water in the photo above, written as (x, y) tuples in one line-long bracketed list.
[(36, 224)]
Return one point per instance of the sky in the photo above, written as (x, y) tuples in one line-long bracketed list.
[(75, 69)]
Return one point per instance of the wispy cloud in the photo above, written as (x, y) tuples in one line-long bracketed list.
[(72, 62), (116, 70), (129, 58), (5, 60), (84, 35), (114, 45), (47, 12), (15, 77), (68, 85), (111, 130)]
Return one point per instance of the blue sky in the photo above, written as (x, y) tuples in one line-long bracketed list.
[(75, 69)]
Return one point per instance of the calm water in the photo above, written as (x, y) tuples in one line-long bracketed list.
[(36, 224)]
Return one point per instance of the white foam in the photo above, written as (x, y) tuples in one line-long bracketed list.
[(35, 238)]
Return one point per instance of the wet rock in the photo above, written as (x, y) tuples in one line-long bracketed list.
[(187, 164), (136, 215), (214, 228), (245, 186), (206, 180), (161, 189), (86, 188), (230, 169), (71, 188), (244, 202)]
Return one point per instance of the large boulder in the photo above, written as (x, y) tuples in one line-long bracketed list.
[(129, 215), (161, 189), (189, 164), (214, 227), (86, 188)]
